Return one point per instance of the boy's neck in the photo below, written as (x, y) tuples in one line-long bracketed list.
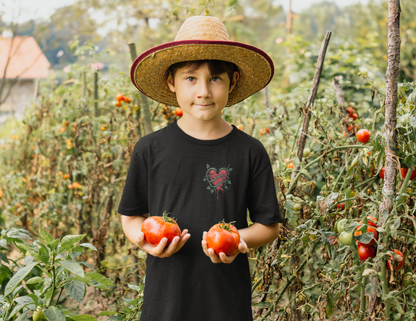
[(205, 130)]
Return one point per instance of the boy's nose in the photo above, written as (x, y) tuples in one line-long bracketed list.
[(203, 90)]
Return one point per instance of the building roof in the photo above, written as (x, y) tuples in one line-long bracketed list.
[(27, 59)]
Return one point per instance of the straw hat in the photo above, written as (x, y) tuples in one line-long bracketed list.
[(201, 38)]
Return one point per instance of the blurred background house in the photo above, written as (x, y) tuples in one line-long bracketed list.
[(22, 65)]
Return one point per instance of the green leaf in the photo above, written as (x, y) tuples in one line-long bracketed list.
[(90, 246), (84, 317), (18, 277), (99, 278), (3, 243), (73, 267), (68, 241), (76, 290), (43, 255), (46, 236), (115, 318), (36, 279), (22, 316), (21, 303), (54, 314), (134, 287)]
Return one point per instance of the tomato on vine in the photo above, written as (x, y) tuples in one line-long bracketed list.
[(363, 136), (404, 170), (382, 171), (155, 228), (223, 237), (341, 206), (397, 263), (365, 252), (345, 238), (369, 230)]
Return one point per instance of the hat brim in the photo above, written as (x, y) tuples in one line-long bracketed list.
[(149, 70)]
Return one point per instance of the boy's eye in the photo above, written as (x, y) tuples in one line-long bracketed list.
[(216, 78), (190, 78)]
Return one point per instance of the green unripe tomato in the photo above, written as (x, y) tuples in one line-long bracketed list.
[(341, 225), (345, 238), (297, 207), (306, 152), (407, 279)]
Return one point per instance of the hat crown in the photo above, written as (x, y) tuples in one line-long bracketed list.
[(202, 28)]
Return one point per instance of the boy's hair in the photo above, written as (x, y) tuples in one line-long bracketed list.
[(215, 67)]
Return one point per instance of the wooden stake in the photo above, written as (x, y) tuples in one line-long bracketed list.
[(311, 99)]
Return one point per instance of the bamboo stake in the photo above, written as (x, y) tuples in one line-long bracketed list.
[(97, 112), (311, 99), (147, 123), (389, 187)]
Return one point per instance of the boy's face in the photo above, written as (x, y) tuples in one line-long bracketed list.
[(200, 95)]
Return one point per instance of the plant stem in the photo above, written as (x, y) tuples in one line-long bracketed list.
[(289, 281), (59, 296), (362, 301), (383, 276), (293, 183), (53, 281), (336, 181)]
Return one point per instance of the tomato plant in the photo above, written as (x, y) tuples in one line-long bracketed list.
[(155, 228), (223, 237)]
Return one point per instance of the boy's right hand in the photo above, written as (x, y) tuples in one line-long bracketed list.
[(160, 250)]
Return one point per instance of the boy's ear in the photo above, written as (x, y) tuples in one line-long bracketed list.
[(171, 85), (236, 76)]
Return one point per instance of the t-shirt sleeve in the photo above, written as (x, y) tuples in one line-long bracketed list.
[(134, 199), (261, 193)]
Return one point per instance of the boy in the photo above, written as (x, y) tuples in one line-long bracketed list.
[(202, 170)]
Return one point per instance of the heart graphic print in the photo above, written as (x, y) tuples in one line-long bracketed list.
[(218, 180)]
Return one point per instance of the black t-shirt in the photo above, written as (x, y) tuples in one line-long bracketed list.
[(200, 182)]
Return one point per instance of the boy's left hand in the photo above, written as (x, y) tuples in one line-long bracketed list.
[(222, 258)]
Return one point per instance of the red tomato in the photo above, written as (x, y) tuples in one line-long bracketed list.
[(350, 110), (382, 172), (396, 263), (341, 206), (371, 221), (267, 130), (291, 165), (369, 230), (127, 99), (363, 136), (223, 237), (120, 97), (179, 112), (365, 252), (287, 160), (155, 228), (354, 116), (404, 171)]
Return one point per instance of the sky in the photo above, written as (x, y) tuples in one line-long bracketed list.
[(34, 9)]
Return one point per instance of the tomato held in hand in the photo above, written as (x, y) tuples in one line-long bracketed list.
[(397, 263), (404, 171), (363, 136), (155, 228), (365, 252), (223, 237), (179, 112), (369, 230)]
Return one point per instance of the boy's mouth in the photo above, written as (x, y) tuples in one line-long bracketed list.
[(203, 105)]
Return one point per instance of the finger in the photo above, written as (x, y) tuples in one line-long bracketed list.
[(242, 247), (168, 251), (158, 250), (213, 256), (140, 240), (182, 241), (228, 259)]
